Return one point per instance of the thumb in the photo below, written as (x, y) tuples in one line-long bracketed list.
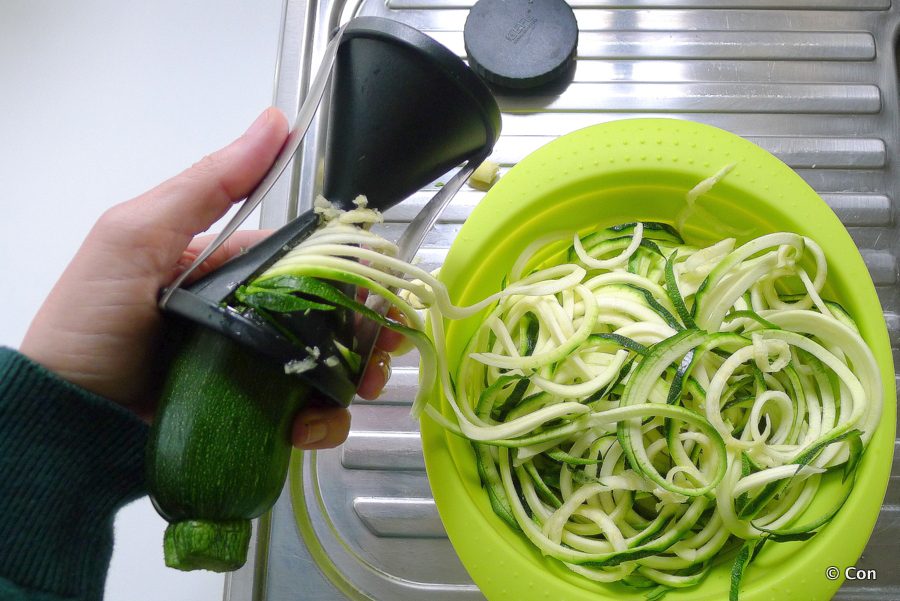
[(171, 214), (196, 198)]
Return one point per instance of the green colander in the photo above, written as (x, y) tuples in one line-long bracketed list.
[(640, 169)]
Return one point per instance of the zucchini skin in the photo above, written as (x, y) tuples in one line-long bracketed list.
[(219, 447)]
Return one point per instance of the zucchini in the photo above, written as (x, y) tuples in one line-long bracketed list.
[(716, 403), (218, 451)]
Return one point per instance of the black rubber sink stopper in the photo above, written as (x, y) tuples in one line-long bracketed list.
[(521, 44)]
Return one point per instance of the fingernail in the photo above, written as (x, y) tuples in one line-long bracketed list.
[(384, 364), (315, 432), (259, 123), (399, 317)]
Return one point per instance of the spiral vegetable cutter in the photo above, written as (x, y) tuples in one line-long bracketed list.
[(402, 111)]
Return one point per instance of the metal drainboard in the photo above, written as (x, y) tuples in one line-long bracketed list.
[(812, 81)]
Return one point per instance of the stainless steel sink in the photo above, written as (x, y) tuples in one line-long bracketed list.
[(812, 81)]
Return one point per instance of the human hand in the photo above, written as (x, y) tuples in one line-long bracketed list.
[(100, 327)]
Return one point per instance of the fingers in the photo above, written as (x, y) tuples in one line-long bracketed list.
[(389, 340), (378, 370), (320, 428), (195, 199), (155, 228), (327, 427), (237, 244)]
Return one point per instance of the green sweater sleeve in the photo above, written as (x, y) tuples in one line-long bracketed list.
[(68, 460)]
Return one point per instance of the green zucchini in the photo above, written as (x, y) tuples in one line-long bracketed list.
[(219, 448), (715, 430)]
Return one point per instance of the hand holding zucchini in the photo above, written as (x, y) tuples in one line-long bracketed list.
[(104, 336), (220, 445)]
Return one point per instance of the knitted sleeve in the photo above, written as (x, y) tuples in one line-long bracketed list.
[(68, 460)]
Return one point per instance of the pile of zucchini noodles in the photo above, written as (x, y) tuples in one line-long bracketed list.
[(638, 406)]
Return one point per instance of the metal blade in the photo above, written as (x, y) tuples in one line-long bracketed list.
[(301, 126), (409, 244)]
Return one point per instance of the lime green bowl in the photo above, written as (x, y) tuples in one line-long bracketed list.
[(631, 170)]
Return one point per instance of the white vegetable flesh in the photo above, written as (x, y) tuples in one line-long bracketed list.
[(624, 438)]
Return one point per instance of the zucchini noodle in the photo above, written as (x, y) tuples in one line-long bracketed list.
[(637, 406)]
